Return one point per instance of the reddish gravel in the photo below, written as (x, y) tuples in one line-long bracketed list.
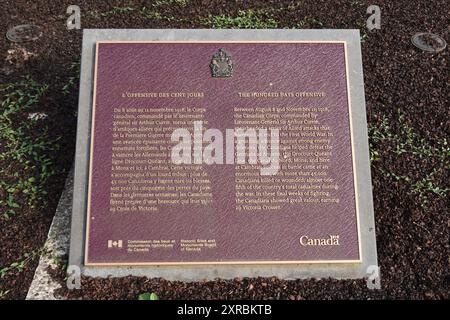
[(412, 239)]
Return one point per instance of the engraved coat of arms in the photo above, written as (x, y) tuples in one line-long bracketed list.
[(221, 64)]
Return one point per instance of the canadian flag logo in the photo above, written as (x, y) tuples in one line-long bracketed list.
[(114, 244)]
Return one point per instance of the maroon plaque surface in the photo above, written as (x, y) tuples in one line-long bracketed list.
[(145, 209)]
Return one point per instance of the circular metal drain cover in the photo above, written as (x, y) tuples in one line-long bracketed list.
[(428, 42), (23, 32)]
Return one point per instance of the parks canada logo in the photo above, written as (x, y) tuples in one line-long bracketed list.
[(332, 240)]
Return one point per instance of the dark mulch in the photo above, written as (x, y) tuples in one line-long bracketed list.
[(412, 240)]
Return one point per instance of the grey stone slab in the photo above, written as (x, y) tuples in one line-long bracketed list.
[(43, 285), (192, 273)]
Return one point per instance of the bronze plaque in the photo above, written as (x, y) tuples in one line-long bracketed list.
[(221, 153)]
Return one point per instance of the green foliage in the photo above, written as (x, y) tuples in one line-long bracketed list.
[(422, 188), (25, 166), (148, 296), (181, 3), (114, 11), (73, 79), (152, 12), (308, 22), (425, 185), (18, 96), (377, 135), (405, 142), (364, 32), (19, 266), (246, 19)]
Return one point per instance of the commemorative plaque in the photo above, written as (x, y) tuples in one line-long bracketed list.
[(223, 149)]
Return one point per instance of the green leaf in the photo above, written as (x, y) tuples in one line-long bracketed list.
[(154, 296), (148, 296)]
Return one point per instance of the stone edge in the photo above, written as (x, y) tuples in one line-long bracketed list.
[(43, 284)]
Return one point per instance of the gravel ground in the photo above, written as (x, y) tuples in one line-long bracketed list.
[(407, 111)]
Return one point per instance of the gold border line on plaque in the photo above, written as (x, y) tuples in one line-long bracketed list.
[(238, 262)]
